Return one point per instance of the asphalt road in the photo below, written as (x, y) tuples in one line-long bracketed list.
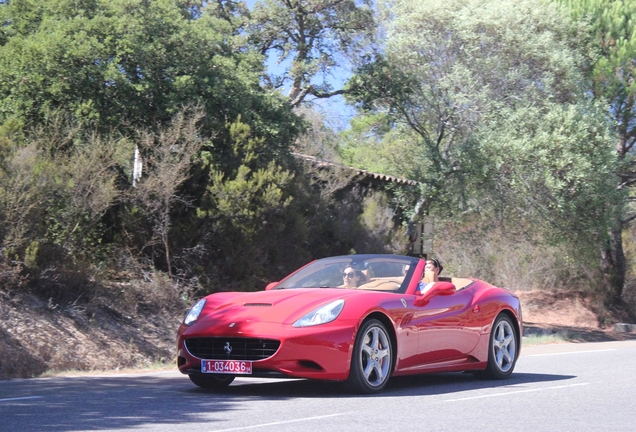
[(566, 387)]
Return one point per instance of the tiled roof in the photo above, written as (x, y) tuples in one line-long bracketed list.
[(363, 174)]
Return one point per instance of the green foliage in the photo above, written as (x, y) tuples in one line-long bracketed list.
[(238, 207), (448, 70), (249, 197), (365, 145), (450, 75), (559, 172), (507, 254), (380, 83), (56, 185), (378, 229), (251, 191), (127, 68), (131, 64), (611, 47), (19, 181), (31, 255), (487, 106), (613, 44)]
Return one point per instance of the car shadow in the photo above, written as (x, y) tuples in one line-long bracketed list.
[(448, 383), (417, 385), (127, 402)]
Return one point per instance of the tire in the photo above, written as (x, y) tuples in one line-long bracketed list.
[(372, 359), (502, 349), (211, 381)]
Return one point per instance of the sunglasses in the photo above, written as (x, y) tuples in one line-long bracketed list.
[(348, 275)]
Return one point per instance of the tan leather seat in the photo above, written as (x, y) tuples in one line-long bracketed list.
[(366, 276)]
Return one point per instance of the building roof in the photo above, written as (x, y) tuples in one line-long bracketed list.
[(362, 176)]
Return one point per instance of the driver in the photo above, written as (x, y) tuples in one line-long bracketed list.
[(352, 278)]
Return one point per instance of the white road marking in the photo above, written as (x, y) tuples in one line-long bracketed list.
[(516, 392), (279, 423), (20, 398), (570, 352)]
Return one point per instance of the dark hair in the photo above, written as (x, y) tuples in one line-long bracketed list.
[(437, 264)]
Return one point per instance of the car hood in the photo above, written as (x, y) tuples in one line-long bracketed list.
[(275, 306)]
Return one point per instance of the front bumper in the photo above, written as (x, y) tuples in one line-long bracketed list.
[(319, 352)]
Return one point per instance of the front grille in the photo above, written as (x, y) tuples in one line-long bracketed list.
[(216, 348)]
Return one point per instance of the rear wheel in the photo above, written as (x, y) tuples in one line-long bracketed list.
[(372, 359), (502, 349), (211, 381)]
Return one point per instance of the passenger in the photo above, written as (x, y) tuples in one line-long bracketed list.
[(432, 269), (352, 278)]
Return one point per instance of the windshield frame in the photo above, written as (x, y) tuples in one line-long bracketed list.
[(326, 272)]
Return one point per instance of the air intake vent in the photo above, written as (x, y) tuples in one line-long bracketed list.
[(231, 348), (258, 304)]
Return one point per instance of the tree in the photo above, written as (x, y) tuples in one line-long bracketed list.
[(170, 154), (56, 184), (130, 65), (612, 52), (557, 172), (125, 69), (448, 70), (315, 36), (247, 212), (317, 139), (489, 102)]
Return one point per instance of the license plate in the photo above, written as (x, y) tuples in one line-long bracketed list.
[(234, 367)]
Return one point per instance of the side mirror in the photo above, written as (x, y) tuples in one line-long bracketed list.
[(270, 286), (438, 288)]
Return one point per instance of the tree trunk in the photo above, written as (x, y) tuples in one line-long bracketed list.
[(614, 265)]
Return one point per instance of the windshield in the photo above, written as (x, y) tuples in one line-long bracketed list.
[(390, 273)]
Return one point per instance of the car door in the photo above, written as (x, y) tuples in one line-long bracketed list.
[(444, 327)]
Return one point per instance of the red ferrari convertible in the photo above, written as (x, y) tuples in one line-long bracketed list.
[(317, 324)]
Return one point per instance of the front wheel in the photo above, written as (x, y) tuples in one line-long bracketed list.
[(372, 359), (502, 349), (214, 382)]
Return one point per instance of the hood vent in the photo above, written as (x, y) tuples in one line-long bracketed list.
[(258, 304)]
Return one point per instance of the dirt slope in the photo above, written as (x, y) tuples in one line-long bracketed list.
[(570, 315), (36, 337)]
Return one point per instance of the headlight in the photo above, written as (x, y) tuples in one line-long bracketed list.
[(321, 315), (194, 313)]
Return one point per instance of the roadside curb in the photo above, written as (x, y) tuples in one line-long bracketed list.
[(619, 332), (539, 331), (625, 328)]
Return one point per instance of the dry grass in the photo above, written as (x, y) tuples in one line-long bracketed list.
[(544, 339), (518, 265)]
